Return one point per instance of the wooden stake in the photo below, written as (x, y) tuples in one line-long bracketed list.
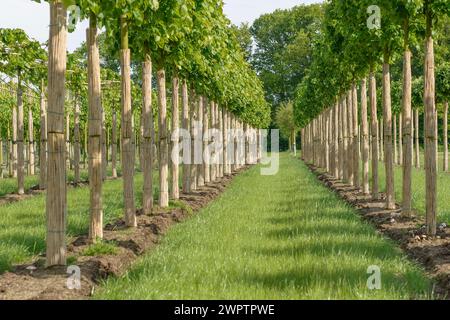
[(163, 143), (186, 143), (20, 138), (365, 138), (114, 145), (56, 174), (95, 114), (445, 136), (407, 152), (375, 137), (387, 115), (127, 134), (76, 138), (430, 132), (148, 129), (356, 141), (206, 138), (43, 142), (31, 151), (200, 167)]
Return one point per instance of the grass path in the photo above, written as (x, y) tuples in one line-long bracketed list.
[(271, 237), (419, 191)]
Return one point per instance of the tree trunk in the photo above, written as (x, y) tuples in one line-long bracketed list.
[(365, 138), (346, 140), (175, 143), (400, 139), (187, 140), (163, 143), (417, 127), (382, 155), (31, 162), (43, 142), (76, 139), (194, 133), (20, 138), (68, 164), (213, 166), (395, 139), (127, 147), (387, 116), (226, 167), (104, 146), (407, 155), (445, 136), (201, 167), (221, 129), (206, 167), (147, 134), (341, 139), (430, 131), (375, 136), (95, 133), (336, 139), (14, 141), (114, 145), (356, 149), (56, 176)]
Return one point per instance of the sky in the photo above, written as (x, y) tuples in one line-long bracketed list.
[(33, 17)]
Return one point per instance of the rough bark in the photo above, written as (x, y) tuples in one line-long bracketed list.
[(31, 149), (201, 167), (394, 122), (104, 146), (114, 145), (14, 142), (20, 142), (175, 171), (43, 142), (213, 170), (220, 121), (407, 135), (356, 149), (147, 134), (375, 137), (56, 209), (388, 154), (341, 139), (68, 164), (194, 133), (430, 132), (206, 166), (127, 136), (95, 133), (187, 142), (76, 140), (365, 138), (445, 136), (163, 143)]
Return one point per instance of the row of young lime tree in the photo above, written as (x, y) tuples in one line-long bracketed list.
[(211, 87), (359, 39)]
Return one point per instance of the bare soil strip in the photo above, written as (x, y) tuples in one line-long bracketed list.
[(35, 282), (408, 232)]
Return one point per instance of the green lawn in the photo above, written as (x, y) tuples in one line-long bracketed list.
[(9, 185), (271, 237), (418, 189), (22, 224)]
